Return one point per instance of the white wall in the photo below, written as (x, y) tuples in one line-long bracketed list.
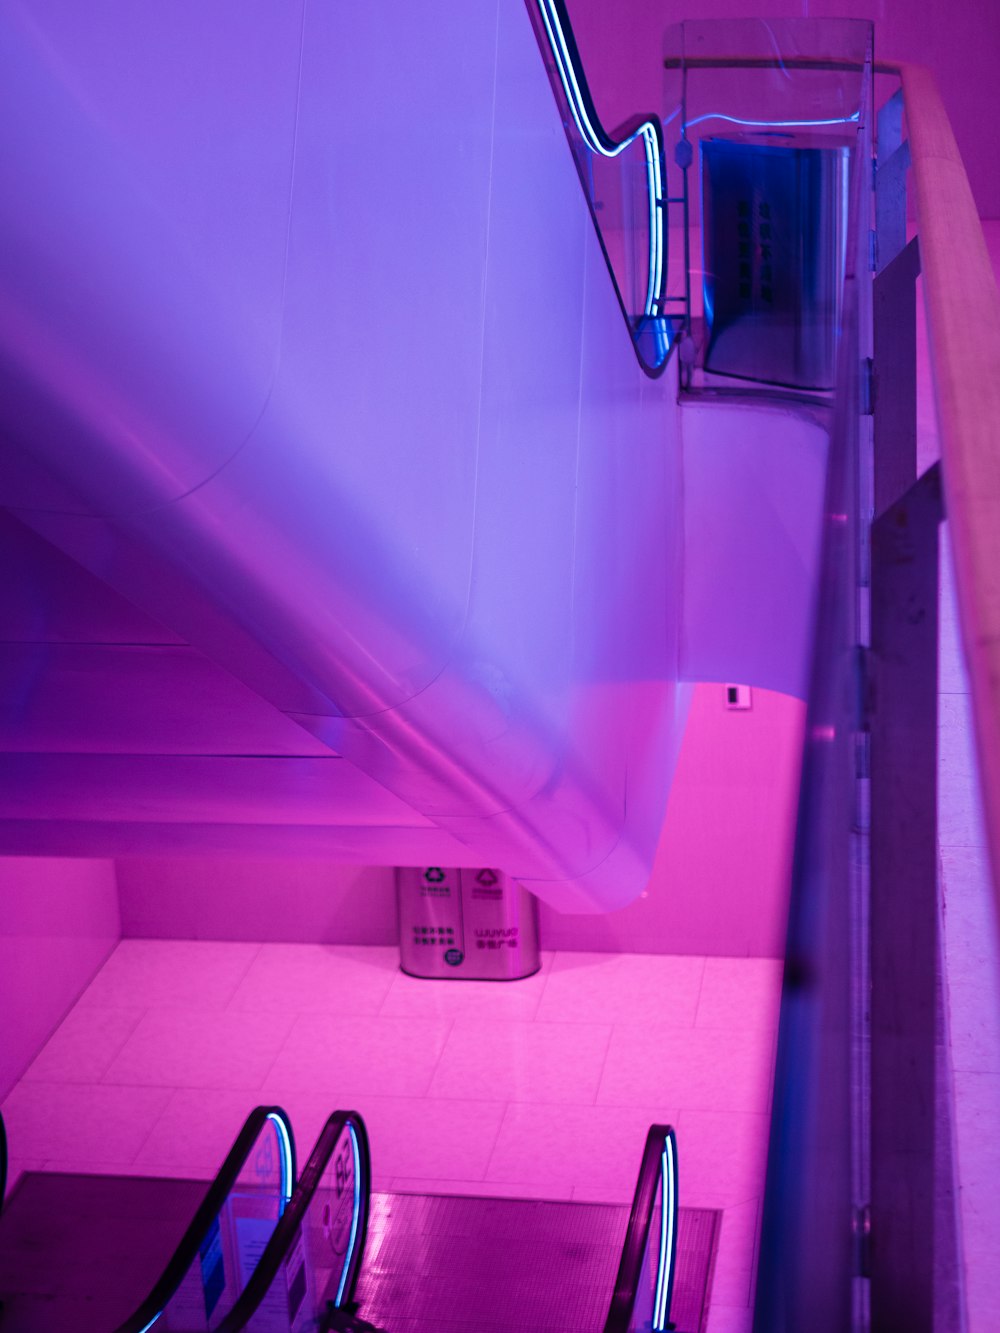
[(719, 882), (59, 921), (237, 898)]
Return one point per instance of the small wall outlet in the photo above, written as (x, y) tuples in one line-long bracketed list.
[(738, 696)]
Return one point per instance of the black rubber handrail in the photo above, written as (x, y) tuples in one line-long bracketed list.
[(661, 1143), (218, 1192), (286, 1233)]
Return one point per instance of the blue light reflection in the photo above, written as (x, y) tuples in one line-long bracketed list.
[(286, 1157), (599, 143), (668, 1233), (355, 1217), (772, 124)]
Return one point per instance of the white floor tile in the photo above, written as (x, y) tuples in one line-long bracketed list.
[(960, 820), (533, 1062), (432, 1140), (701, 1069), (317, 978), (729, 1319), (416, 997), (84, 1046), (347, 1055), (741, 1224), (956, 747), (975, 1026), (195, 1132), (176, 974), (740, 993), (622, 988), (977, 1098), (970, 918), (87, 1124), (723, 1156), (731, 1286), (574, 1146), (734, 1271), (184, 1049)]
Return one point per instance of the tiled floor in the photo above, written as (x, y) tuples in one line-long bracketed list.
[(971, 936), (542, 1088), (972, 974)]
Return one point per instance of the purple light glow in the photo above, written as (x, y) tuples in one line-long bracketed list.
[(400, 550)]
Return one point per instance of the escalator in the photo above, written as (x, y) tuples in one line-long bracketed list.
[(86, 1252), (265, 1254), (312, 1275)]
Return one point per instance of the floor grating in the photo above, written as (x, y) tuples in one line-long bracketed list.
[(458, 1264)]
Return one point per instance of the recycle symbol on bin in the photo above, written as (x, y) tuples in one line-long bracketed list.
[(434, 875), (486, 878)]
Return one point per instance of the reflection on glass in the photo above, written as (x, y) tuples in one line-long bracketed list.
[(645, 1295), (318, 1267), (651, 1311), (765, 119), (623, 178), (817, 1155), (773, 241), (236, 1238), (644, 1287), (311, 1266)]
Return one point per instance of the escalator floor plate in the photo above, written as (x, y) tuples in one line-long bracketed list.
[(81, 1251), (469, 1265)]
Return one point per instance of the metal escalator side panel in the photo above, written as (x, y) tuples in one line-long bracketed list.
[(311, 1263), (644, 1285), (204, 1276)]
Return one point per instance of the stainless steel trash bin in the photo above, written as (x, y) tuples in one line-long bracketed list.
[(473, 924)]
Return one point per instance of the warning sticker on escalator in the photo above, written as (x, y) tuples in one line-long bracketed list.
[(296, 1286), (213, 1268)]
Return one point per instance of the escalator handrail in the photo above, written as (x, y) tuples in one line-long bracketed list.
[(218, 1192), (286, 1233), (658, 1172), (555, 30)]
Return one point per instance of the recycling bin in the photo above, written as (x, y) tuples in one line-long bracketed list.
[(476, 925)]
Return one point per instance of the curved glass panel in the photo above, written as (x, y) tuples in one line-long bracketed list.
[(311, 1264), (220, 1250), (644, 1286), (321, 1265), (623, 179), (765, 117)]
